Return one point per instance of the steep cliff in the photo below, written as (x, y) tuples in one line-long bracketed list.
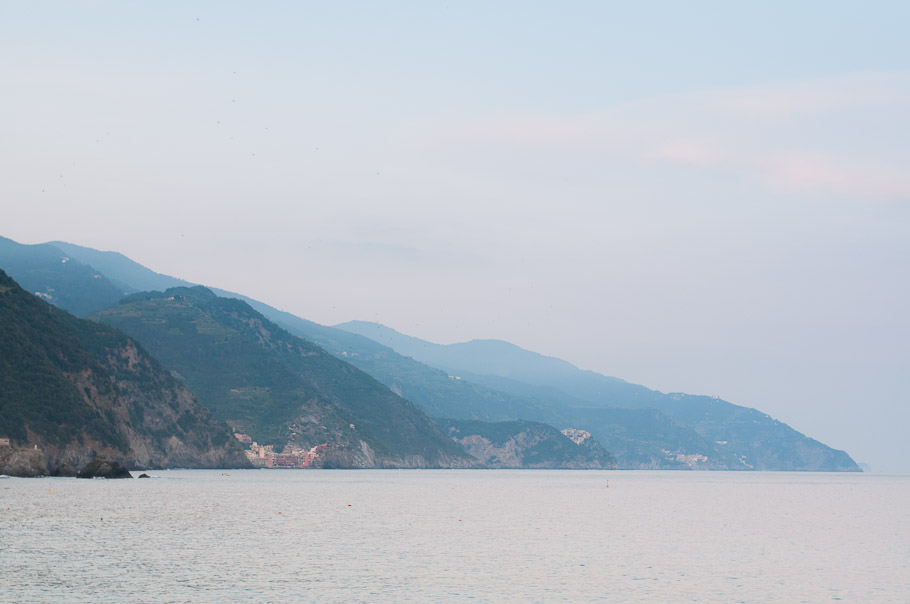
[(75, 389)]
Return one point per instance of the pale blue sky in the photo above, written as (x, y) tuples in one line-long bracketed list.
[(708, 197)]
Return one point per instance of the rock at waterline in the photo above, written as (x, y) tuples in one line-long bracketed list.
[(64, 469), (101, 467), (144, 476)]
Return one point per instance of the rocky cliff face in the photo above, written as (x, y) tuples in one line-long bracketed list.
[(162, 424), (75, 389), (16, 461)]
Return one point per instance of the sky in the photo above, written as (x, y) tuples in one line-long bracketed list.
[(702, 197)]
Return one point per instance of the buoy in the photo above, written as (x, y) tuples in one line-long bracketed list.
[(608, 484)]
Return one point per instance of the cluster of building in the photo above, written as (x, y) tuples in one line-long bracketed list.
[(265, 456), (576, 436), (691, 460)]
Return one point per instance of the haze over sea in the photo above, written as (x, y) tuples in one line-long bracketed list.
[(451, 536)]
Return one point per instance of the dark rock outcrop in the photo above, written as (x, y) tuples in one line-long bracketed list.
[(102, 467), (64, 469)]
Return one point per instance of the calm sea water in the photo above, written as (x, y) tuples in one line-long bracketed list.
[(455, 536)]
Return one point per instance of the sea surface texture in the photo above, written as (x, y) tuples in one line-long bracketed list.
[(456, 536)]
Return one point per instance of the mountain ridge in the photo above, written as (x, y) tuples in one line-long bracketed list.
[(55, 277), (569, 401)]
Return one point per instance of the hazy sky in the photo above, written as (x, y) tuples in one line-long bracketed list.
[(708, 197)]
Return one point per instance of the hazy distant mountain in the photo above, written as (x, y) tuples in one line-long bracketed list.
[(76, 388), (638, 438), (128, 275), (279, 388), (436, 392), (728, 435), (506, 360), (52, 275)]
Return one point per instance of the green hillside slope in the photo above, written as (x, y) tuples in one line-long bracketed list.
[(279, 388), (75, 388)]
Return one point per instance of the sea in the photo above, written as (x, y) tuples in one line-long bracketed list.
[(207, 536)]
